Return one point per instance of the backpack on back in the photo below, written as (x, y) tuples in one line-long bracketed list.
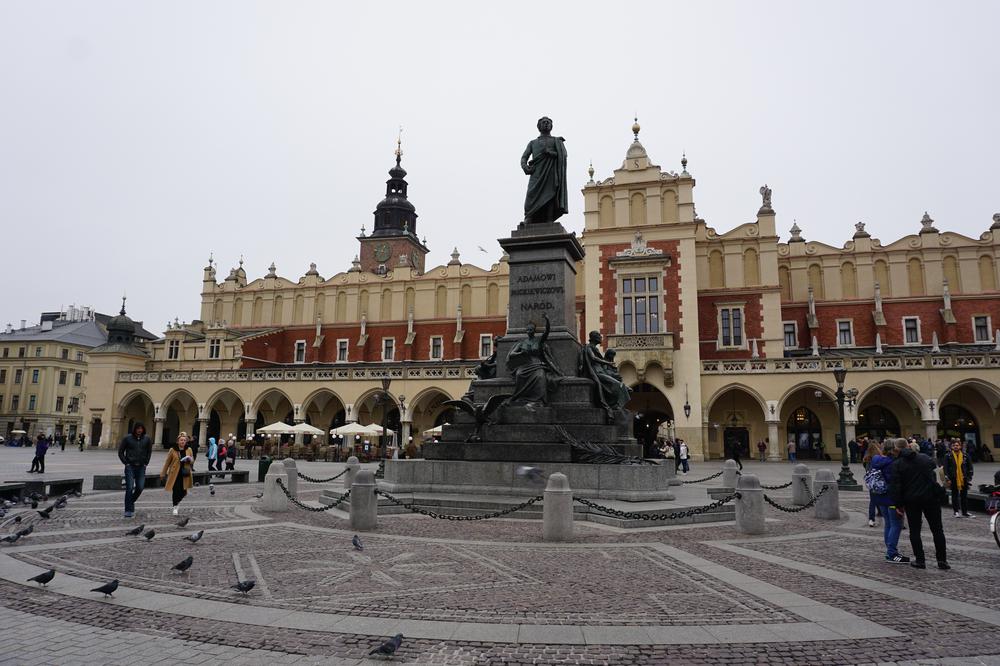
[(875, 481)]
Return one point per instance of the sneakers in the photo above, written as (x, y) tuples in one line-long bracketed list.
[(871, 523), (958, 515), (943, 565), (918, 564), (129, 514), (966, 515), (176, 509), (897, 559)]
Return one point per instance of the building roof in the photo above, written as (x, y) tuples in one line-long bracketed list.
[(84, 333)]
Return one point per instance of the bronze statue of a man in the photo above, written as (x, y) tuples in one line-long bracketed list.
[(544, 160)]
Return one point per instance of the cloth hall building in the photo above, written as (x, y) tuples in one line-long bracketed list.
[(728, 336)]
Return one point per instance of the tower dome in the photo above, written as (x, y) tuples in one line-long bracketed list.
[(395, 215), (121, 329)]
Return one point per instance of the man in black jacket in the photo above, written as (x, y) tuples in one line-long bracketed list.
[(134, 451), (915, 491)]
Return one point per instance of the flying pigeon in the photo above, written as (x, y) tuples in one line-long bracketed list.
[(356, 542), (244, 586), (482, 249), (107, 589), (45, 513), (184, 565), (137, 531), (195, 537), (150, 534), (389, 647), (44, 577), (533, 474), (183, 521)]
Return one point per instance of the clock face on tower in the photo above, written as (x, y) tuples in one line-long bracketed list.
[(382, 252)]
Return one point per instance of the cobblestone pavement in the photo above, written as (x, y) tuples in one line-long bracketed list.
[(488, 592)]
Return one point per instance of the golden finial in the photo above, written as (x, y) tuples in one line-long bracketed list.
[(635, 127)]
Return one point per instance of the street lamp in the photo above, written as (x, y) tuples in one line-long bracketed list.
[(846, 480), (687, 405)]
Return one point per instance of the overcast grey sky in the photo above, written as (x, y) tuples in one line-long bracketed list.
[(137, 137)]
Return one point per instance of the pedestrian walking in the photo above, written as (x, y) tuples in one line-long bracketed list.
[(134, 452), (683, 455), (878, 479), (791, 450), (916, 494), (734, 452), (176, 471), (874, 508), (958, 478), (231, 452), (38, 462), (761, 450), (62, 443), (213, 453)]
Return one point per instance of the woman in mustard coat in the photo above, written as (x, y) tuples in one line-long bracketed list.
[(177, 470)]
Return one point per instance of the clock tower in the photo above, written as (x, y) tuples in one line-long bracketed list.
[(393, 242)]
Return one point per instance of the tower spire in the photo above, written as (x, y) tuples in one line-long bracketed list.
[(399, 145)]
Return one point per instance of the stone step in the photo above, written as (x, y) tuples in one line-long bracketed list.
[(539, 432)]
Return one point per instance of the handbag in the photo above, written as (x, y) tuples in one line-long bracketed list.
[(184, 471)]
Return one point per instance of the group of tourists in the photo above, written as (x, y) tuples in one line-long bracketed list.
[(676, 449)]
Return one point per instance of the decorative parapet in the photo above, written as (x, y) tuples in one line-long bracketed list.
[(643, 350), (875, 363), (348, 372)]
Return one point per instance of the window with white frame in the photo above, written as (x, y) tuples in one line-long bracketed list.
[(911, 330), (34, 376), (791, 334), (173, 350), (79, 356), (78, 379), (485, 345), (342, 348), (214, 346), (300, 351), (65, 354), (981, 328), (845, 333), (437, 347), (62, 377), (15, 402), (640, 304), (38, 352), (388, 349), (32, 400), (59, 403), (18, 376), (731, 326)]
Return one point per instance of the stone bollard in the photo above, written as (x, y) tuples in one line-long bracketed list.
[(292, 470), (352, 468), (827, 506), (364, 502), (801, 485), (750, 505), (730, 473), (274, 498), (557, 512)]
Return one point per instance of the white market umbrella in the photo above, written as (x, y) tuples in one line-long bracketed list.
[(352, 429), (306, 429), (379, 430), (436, 431), (278, 428), (19, 432)]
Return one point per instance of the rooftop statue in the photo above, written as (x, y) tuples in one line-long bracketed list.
[(544, 160)]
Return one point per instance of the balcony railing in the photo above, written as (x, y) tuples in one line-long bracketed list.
[(874, 362), (361, 372)]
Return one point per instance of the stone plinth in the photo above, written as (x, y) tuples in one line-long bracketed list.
[(557, 513), (801, 485), (828, 505), (274, 498), (750, 506), (364, 502), (292, 470)]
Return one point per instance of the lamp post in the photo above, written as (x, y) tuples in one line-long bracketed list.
[(846, 479)]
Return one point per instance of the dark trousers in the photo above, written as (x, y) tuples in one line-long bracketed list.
[(178, 491), (211, 464), (960, 499), (38, 464), (135, 481), (915, 513), (230, 463)]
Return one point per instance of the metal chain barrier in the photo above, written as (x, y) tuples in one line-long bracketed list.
[(796, 509), (631, 515), (380, 472), (805, 484), (312, 480), (783, 485), (315, 509), (707, 478), (449, 516)]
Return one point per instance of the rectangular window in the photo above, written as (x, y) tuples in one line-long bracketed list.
[(640, 305), (791, 335), (214, 346), (62, 377), (173, 350), (38, 352), (32, 399), (485, 345), (6, 352), (300, 351), (980, 328), (65, 354), (1, 401), (911, 330), (59, 404), (74, 405), (437, 344), (15, 402), (388, 349), (18, 376), (3, 375), (34, 376), (79, 356), (845, 333), (78, 379), (731, 327), (342, 348), (21, 351)]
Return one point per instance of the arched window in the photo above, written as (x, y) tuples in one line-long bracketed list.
[(258, 311), (217, 311), (785, 283), (816, 281), (493, 299), (848, 280), (751, 267), (915, 276), (637, 209), (385, 306), (716, 270), (668, 211), (806, 431), (411, 298), (298, 309), (951, 274), (363, 308), (441, 302), (987, 273), (882, 277), (238, 312), (277, 312), (606, 212), (877, 422), (466, 300), (957, 421), (341, 307)]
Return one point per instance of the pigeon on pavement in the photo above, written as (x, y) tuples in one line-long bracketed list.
[(107, 589), (61, 502), (530, 473), (25, 531), (356, 542), (10, 538), (183, 521), (195, 537), (184, 565), (45, 513), (34, 503), (211, 489), (44, 577), (137, 531), (150, 534), (244, 586), (389, 647)]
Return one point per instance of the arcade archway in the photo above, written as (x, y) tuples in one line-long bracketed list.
[(649, 408)]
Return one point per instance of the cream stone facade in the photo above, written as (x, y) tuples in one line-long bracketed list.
[(725, 336)]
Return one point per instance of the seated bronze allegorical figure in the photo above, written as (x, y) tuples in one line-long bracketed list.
[(611, 393), (535, 371)]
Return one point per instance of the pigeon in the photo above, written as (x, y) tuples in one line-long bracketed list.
[(184, 565), (14, 519), (43, 578), (183, 521), (10, 538), (46, 513), (530, 473), (389, 647), (259, 495), (150, 534), (482, 249), (244, 586), (356, 542), (107, 589), (211, 489), (25, 531), (34, 503), (195, 537), (137, 531), (60, 503)]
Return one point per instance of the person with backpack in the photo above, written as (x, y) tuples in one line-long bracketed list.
[(916, 494), (877, 478), (871, 450)]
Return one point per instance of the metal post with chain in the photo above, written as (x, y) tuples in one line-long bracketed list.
[(314, 509), (631, 515), (797, 508), (707, 478), (449, 516), (312, 480), (779, 487)]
